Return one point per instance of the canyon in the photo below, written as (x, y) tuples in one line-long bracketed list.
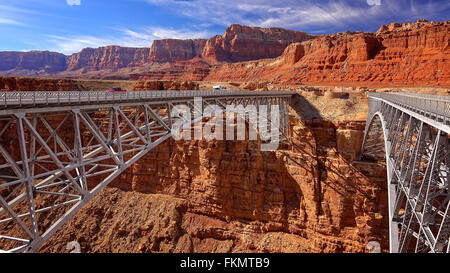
[(312, 195), (201, 196)]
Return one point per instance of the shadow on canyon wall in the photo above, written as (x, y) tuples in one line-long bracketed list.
[(309, 186)]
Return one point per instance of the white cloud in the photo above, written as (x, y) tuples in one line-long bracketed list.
[(6, 21), (68, 45), (125, 37), (334, 13), (73, 2), (283, 13), (166, 33), (300, 14)]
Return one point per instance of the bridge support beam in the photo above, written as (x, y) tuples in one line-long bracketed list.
[(65, 149), (417, 155)]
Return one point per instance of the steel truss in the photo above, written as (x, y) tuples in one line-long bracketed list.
[(412, 131), (58, 151)]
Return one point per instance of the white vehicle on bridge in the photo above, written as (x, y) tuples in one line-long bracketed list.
[(219, 87)]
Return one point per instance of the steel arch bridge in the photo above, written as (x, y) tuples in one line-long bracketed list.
[(59, 149), (411, 133)]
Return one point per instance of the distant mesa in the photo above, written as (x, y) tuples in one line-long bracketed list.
[(239, 43), (400, 54), (45, 61)]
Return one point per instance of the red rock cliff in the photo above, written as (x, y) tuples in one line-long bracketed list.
[(228, 196), (242, 43), (33, 60), (413, 54), (36, 84), (239, 43), (110, 57), (172, 50)]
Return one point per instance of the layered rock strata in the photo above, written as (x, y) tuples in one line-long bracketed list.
[(228, 196), (412, 54)]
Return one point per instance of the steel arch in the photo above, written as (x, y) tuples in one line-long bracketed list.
[(417, 154), (67, 146)]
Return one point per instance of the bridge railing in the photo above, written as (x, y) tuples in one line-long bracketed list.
[(434, 106), (42, 97)]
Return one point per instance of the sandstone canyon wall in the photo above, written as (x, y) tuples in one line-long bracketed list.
[(173, 50), (36, 84), (412, 54), (228, 196), (116, 57), (242, 43), (239, 43), (39, 84), (110, 57), (34, 60)]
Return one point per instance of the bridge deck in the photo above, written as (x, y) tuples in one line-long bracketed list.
[(433, 109), (36, 98)]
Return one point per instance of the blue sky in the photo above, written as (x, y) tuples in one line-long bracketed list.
[(67, 26)]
